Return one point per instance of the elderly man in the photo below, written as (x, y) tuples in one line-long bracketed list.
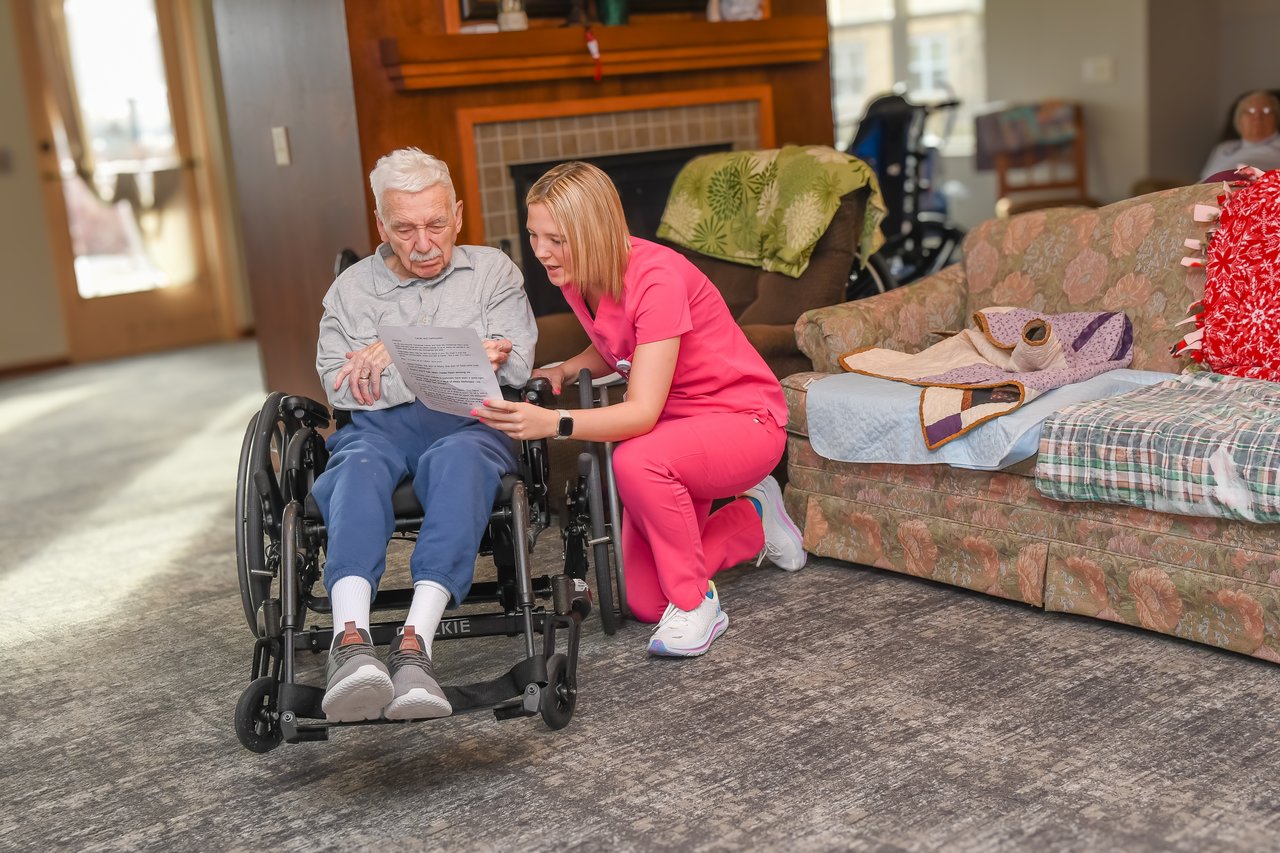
[(416, 276)]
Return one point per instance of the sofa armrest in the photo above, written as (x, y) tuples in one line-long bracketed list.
[(901, 319)]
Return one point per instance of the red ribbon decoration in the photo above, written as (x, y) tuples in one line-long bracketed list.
[(593, 48)]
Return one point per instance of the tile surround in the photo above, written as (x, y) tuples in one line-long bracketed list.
[(500, 144)]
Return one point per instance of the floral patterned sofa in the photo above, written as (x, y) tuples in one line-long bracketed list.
[(1209, 580)]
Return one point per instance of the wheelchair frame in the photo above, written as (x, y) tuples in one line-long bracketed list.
[(279, 550)]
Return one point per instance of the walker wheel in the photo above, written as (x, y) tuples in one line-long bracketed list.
[(257, 725), (560, 695)]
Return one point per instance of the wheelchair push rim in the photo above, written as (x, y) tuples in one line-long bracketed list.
[(257, 535)]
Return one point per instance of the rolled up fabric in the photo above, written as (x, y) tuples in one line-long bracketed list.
[(1038, 349)]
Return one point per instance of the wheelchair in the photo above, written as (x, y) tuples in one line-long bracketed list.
[(920, 239), (280, 543)]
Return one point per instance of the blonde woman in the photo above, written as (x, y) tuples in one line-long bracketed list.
[(703, 417)]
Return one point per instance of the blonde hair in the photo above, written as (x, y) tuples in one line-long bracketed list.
[(584, 205)]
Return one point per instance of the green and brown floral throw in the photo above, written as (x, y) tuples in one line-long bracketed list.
[(768, 208)]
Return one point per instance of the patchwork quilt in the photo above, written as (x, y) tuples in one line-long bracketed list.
[(1013, 356), (1199, 444)]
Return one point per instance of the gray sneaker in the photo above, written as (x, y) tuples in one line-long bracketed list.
[(417, 693), (358, 685)]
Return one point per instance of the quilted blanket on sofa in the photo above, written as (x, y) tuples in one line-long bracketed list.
[(1012, 357), (1201, 444)]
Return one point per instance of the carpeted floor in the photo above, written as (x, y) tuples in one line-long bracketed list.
[(845, 708)]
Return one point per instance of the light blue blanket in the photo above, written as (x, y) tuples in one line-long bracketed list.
[(856, 418)]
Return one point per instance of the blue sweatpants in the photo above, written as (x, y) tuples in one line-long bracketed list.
[(457, 466)]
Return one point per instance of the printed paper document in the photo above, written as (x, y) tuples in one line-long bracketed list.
[(446, 369)]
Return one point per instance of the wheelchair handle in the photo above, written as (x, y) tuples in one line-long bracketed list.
[(584, 389)]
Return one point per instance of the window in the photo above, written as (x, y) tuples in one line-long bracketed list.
[(930, 48), (927, 66)]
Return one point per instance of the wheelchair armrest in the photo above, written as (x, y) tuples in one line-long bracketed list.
[(538, 392), (306, 411)]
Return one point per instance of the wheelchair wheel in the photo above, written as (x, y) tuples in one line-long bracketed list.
[(256, 723), (560, 695), (584, 509), (873, 279), (257, 514)]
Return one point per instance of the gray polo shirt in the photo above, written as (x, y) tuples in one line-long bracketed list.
[(480, 288)]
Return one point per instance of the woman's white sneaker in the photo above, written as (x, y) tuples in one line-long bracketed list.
[(783, 544), (689, 633)]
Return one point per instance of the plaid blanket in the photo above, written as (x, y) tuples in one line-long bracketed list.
[(1200, 444)]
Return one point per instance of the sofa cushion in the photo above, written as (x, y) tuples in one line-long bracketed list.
[(1006, 504)]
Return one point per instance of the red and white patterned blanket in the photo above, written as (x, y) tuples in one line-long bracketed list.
[(1238, 321)]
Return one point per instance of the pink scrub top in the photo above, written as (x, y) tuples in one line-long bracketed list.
[(665, 296)]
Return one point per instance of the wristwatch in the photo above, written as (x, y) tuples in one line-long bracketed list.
[(565, 428)]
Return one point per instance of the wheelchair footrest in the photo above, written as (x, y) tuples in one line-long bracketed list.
[(486, 694)]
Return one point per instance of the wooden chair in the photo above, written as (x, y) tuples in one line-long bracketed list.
[(1038, 174)]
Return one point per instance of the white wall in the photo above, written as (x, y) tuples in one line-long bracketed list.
[(31, 330)]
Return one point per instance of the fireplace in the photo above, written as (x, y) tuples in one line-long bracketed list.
[(643, 179)]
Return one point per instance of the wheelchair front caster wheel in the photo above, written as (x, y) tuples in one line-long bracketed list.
[(561, 693), (257, 724)]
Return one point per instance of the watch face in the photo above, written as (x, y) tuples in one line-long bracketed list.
[(566, 426)]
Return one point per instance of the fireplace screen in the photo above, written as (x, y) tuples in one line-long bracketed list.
[(643, 179)]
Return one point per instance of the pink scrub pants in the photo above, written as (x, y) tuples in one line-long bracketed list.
[(667, 479)]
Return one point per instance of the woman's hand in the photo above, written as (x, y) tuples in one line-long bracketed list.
[(523, 421), (364, 371), (554, 375)]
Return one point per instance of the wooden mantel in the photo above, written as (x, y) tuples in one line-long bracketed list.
[(418, 81), (459, 61)]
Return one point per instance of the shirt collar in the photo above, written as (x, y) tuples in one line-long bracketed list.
[(385, 281)]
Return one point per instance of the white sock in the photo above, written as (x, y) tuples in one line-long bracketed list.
[(429, 601), (350, 598)]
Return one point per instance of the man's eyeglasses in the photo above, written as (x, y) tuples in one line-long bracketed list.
[(1253, 111)]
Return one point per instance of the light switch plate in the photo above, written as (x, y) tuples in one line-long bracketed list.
[(1098, 69), (280, 143)]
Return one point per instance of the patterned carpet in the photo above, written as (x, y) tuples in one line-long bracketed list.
[(845, 708)]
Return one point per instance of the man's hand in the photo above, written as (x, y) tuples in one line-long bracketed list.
[(498, 350), (364, 371)]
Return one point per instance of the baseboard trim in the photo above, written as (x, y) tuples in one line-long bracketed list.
[(14, 371)]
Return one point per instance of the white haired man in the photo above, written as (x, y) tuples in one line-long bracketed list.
[(416, 276)]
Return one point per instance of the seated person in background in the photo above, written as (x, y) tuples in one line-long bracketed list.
[(416, 276), (703, 417), (1255, 119)]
